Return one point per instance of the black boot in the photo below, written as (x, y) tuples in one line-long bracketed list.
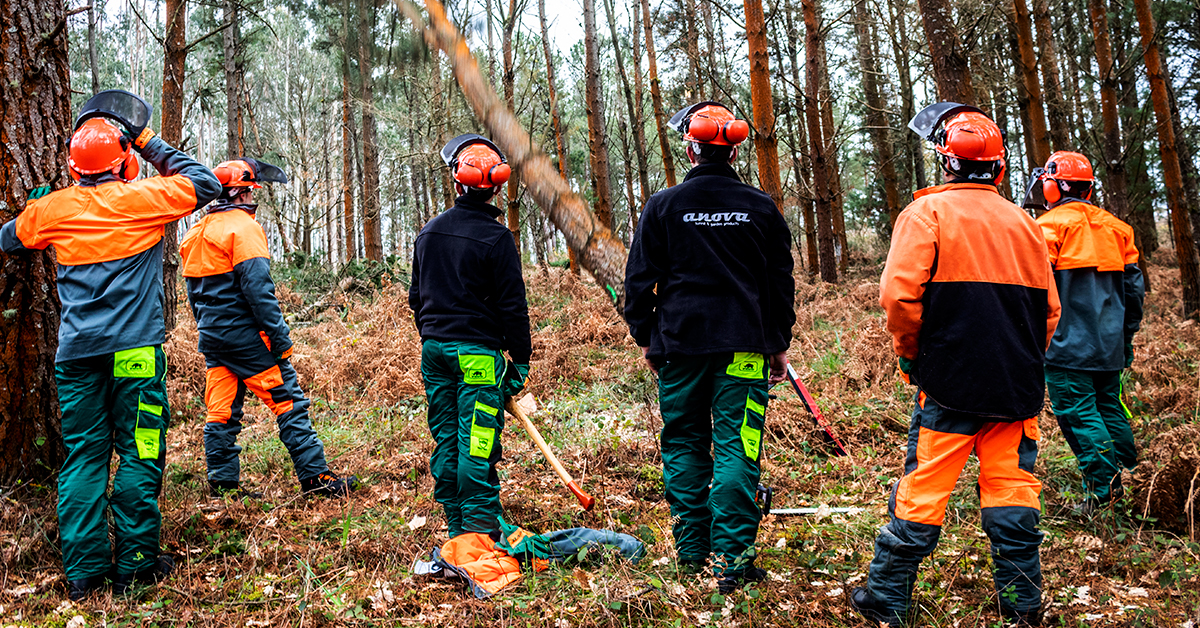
[(161, 568), (329, 485), (732, 582), (862, 601), (227, 488), (79, 589)]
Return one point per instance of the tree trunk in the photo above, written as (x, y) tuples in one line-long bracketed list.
[(639, 101), (1181, 226), (35, 115), (372, 231), (560, 140), (695, 84), (639, 137), (876, 116), (231, 41), (765, 143), (951, 64), (1056, 104), (901, 50), (348, 168), (1115, 186), (801, 167), (93, 64), (510, 74), (597, 141), (599, 250), (171, 131), (660, 117), (1037, 133), (821, 179), (833, 168)]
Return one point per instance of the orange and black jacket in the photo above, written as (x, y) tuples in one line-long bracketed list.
[(107, 235), (970, 298), (1099, 284), (228, 272)]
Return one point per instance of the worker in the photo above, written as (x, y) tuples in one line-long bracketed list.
[(709, 294), (1101, 289), (970, 302), (468, 302), (107, 233), (244, 339)]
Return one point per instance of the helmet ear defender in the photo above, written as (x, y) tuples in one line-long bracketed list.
[(704, 129)]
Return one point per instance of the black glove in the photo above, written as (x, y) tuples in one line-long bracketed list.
[(514, 379)]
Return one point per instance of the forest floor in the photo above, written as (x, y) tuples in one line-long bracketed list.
[(287, 560)]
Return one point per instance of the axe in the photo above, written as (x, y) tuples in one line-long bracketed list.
[(585, 500)]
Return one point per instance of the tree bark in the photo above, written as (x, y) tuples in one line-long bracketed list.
[(951, 64), (1056, 104), (639, 137), (1181, 226), (348, 168), (597, 140), (695, 84), (1115, 186), (800, 165), (765, 143), (598, 249), (560, 140), (231, 42), (833, 167), (171, 131), (93, 64), (372, 232), (901, 49), (877, 122), (510, 75), (639, 102), (821, 179), (660, 117), (35, 115), (1037, 133)]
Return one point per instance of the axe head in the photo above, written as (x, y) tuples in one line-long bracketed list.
[(126, 108)]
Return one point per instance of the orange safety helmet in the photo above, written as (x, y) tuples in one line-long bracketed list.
[(236, 174), (972, 136), (710, 122), (1062, 169), (98, 146), (476, 162)]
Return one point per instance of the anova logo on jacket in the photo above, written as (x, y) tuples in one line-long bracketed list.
[(716, 219)]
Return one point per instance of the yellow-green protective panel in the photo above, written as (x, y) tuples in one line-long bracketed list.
[(137, 362), (478, 369), (747, 365)]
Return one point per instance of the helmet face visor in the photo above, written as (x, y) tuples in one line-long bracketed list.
[(1035, 198), (265, 172), (930, 118), (451, 149), (129, 109)]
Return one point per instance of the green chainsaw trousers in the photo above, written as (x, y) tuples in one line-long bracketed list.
[(466, 416), (113, 402), (1095, 423), (713, 403)]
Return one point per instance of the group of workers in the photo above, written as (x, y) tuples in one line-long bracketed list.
[(987, 307)]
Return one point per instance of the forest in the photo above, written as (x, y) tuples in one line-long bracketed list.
[(354, 99)]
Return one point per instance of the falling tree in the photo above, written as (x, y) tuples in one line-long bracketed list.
[(35, 114)]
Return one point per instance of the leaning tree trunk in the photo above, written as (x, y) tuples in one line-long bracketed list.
[(171, 131), (822, 183), (660, 116), (765, 143), (598, 249), (951, 64), (1181, 226), (597, 141), (372, 228), (35, 115), (1038, 133)]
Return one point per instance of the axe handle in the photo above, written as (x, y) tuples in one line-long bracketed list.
[(585, 500)]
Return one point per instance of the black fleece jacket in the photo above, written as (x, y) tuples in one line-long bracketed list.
[(466, 281), (710, 269)]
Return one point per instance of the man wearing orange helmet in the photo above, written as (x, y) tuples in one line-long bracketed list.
[(468, 302), (1101, 288), (971, 305), (244, 339), (107, 232), (709, 293)]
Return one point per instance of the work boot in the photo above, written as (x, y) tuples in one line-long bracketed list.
[(732, 582), (329, 485), (157, 572), (1021, 619), (79, 589), (862, 601), (230, 488)]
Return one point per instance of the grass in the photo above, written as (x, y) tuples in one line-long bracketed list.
[(286, 560)]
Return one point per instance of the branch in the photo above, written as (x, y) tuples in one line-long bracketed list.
[(62, 24), (149, 29), (214, 31)]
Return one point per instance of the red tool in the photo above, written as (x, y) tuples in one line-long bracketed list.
[(830, 438)]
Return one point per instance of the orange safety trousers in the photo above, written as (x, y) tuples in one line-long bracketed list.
[(940, 442)]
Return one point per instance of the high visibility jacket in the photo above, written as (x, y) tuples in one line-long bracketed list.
[(108, 238), (969, 296), (1099, 284), (466, 281), (227, 268), (710, 269)]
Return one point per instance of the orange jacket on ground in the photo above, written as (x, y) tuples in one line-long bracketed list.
[(107, 235), (1099, 284), (227, 267), (969, 296)]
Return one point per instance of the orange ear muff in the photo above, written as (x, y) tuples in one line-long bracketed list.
[(1050, 191), (130, 168), (736, 131), (468, 175), (499, 174), (704, 129)]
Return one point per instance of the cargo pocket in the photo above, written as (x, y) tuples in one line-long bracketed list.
[(478, 369), (139, 362), (483, 437), (147, 431), (1027, 451), (747, 365), (752, 426)]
